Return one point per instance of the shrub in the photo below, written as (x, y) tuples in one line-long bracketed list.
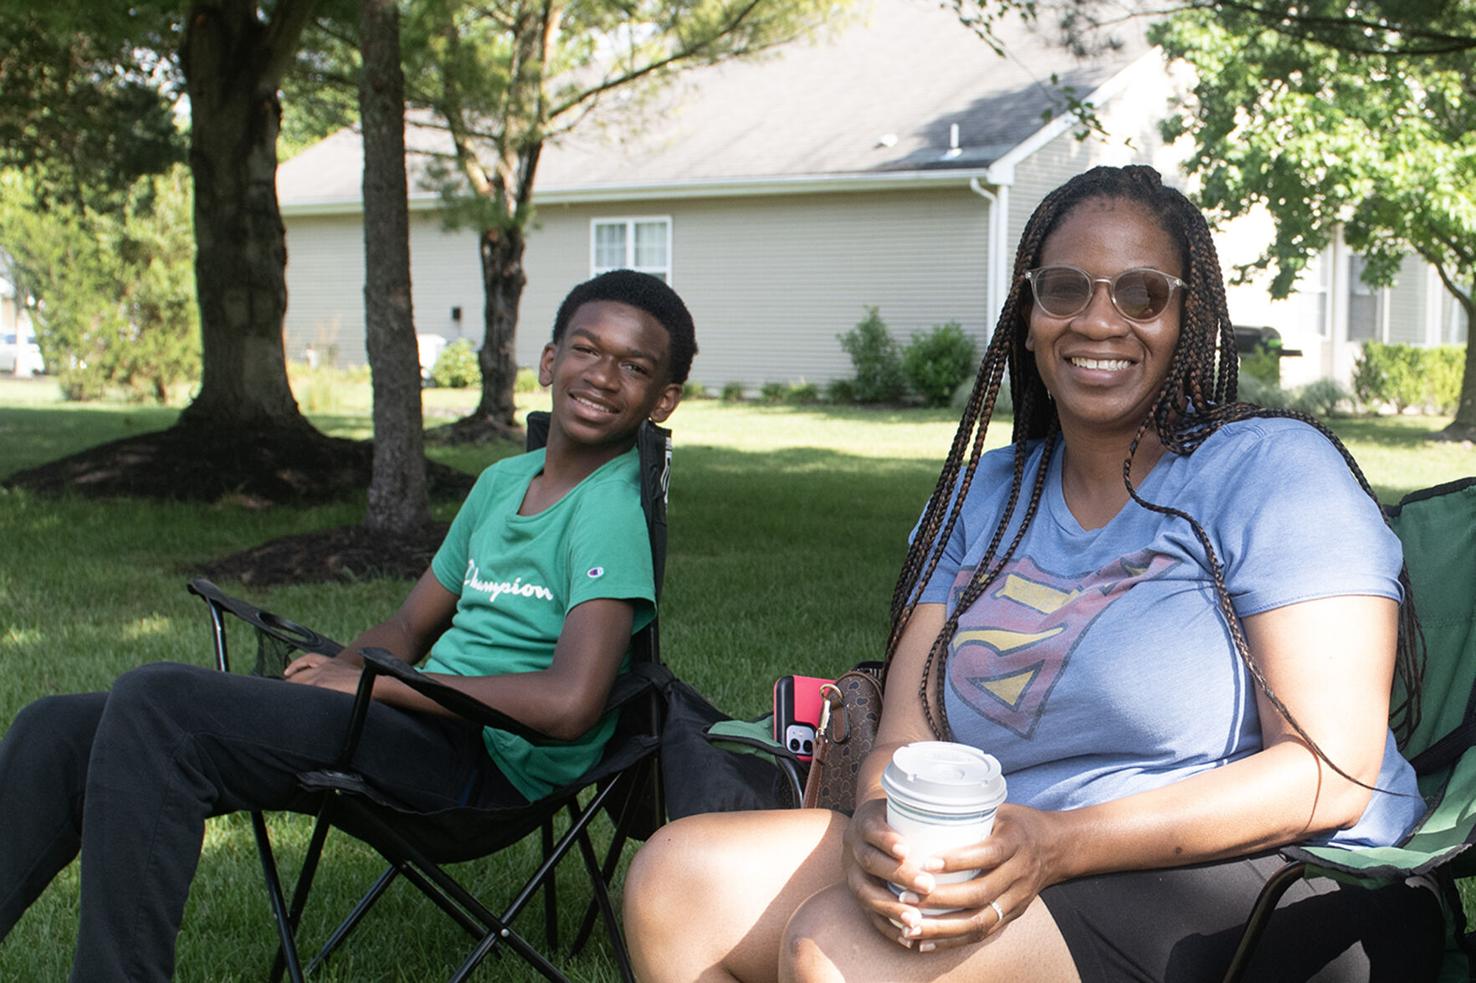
[(803, 393), (1254, 389), (1320, 398), (841, 391), (876, 360), (1263, 363), (1445, 367), (456, 367), (935, 363), (773, 392), (525, 382), (732, 392), (693, 390), (1400, 375)]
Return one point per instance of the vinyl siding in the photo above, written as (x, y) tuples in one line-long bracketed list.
[(325, 284), (771, 281), (1134, 125)]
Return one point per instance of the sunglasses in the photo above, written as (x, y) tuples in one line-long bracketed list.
[(1138, 295)]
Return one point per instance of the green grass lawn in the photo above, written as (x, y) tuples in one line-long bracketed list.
[(787, 527)]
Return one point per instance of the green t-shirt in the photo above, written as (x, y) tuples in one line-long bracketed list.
[(516, 578)]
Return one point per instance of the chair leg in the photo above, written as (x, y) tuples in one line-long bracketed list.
[(607, 910), (287, 953), (304, 883), (351, 921), (612, 860), (580, 820), (1260, 915), (550, 889)]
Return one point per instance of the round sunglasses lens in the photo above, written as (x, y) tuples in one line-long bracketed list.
[(1141, 294), (1061, 292)]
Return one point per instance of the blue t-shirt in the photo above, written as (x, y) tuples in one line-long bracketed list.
[(1098, 665)]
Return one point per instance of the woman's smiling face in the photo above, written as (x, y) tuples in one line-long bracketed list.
[(1104, 370)]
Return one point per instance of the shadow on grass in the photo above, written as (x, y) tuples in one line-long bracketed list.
[(30, 436), (907, 415), (1412, 433)]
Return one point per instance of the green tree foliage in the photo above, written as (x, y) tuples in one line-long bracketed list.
[(93, 107), (112, 290), (90, 91), (937, 362), (1377, 136), (875, 358), (503, 79)]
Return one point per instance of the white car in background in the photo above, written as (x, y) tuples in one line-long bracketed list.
[(20, 355)]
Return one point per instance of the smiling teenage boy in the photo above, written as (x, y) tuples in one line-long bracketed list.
[(528, 606), (549, 555)]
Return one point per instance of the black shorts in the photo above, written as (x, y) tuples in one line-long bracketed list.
[(1182, 926)]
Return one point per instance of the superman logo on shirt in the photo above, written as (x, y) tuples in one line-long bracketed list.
[(1013, 644)]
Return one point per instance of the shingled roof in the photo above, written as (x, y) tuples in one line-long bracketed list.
[(876, 95)]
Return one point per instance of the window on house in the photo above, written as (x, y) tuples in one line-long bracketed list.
[(642, 244), (1365, 304), (1312, 288)]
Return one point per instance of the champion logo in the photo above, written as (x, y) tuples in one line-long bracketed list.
[(498, 588), (595, 573)]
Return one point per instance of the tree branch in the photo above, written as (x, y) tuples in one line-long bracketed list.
[(289, 20), (657, 65)]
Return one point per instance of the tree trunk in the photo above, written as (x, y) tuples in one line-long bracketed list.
[(1463, 427), (398, 500), (503, 280), (231, 61)]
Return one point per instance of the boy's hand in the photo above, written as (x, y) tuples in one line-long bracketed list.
[(315, 669)]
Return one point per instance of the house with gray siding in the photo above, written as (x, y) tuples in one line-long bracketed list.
[(890, 161)]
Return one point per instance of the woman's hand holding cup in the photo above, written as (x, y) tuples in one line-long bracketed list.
[(878, 856), (940, 806)]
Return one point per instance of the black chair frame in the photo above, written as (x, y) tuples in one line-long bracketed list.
[(626, 784)]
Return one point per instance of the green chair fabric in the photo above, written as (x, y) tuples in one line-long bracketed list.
[(1438, 529)]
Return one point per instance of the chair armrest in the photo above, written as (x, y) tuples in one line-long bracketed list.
[(379, 662), (276, 626)]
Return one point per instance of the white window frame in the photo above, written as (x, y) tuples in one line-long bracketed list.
[(630, 222), (1307, 289)]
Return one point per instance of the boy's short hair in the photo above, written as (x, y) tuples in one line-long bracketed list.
[(643, 292)]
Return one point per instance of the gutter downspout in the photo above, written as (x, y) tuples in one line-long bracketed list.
[(995, 276)]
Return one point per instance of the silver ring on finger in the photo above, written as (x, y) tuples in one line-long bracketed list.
[(998, 912)]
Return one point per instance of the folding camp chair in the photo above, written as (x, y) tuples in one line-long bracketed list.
[(625, 783), (1438, 529)]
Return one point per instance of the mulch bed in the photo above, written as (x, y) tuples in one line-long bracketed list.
[(296, 466), (288, 467), (345, 553)]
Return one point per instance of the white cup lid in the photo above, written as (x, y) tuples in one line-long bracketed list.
[(943, 776)]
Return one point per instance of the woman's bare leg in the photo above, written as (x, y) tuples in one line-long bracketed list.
[(830, 938), (707, 898)]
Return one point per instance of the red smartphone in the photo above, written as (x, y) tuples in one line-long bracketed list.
[(797, 703)]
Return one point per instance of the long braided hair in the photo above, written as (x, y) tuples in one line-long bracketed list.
[(1198, 397)]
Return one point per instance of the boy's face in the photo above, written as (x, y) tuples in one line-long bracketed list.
[(608, 373)]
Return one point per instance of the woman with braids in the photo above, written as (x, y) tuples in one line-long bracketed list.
[(1174, 618)]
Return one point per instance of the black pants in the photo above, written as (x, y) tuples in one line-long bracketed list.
[(131, 775)]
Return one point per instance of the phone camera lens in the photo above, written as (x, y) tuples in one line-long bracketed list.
[(794, 743), (809, 746)]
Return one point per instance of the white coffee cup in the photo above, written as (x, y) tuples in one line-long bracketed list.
[(941, 796)]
